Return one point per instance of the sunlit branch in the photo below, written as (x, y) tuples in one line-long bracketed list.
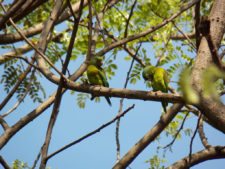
[(216, 152), (144, 33), (149, 137), (36, 29), (202, 134), (57, 102)]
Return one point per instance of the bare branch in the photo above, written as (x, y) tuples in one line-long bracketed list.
[(4, 163), (58, 99), (188, 39), (192, 140), (201, 156), (202, 134), (128, 20), (11, 12), (36, 29), (121, 108), (91, 133), (36, 160), (150, 136), (3, 123), (177, 133)]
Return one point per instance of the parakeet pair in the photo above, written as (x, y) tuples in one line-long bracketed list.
[(96, 75), (159, 80)]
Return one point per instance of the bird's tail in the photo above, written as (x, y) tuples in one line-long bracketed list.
[(92, 97), (164, 104), (108, 100)]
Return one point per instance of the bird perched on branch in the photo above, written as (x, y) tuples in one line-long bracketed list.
[(159, 80), (97, 76)]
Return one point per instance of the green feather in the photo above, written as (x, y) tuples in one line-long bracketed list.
[(96, 76), (159, 80)]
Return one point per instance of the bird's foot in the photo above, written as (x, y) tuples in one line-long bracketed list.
[(158, 92)]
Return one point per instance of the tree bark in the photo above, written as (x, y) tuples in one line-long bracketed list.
[(212, 109)]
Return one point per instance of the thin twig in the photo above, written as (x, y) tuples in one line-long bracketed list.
[(128, 50), (146, 32), (197, 21), (20, 100), (98, 18), (36, 160), (163, 51), (149, 137), (184, 34), (121, 107), (33, 46), (91, 133), (177, 133), (128, 20), (202, 134), (20, 80), (91, 46), (192, 139)]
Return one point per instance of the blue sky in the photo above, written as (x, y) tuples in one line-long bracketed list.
[(98, 151)]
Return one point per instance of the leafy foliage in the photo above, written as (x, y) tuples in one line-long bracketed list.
[(156, 162), (17, 164), (81, 99), (30, 85)]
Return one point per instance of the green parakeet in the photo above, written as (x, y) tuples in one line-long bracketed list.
[(96, 75), (159, 80)]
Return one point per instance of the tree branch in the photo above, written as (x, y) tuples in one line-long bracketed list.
[(11, 38), (201, 156), (4, 163), (20, 80), (202, 134), (144, 33), (213, 110), (58, 99), (12, 10), (150, 136), (91, 133)]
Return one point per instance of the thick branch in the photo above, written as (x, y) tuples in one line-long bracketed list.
[(201, 156), (4, 163), (213, 110), (11, 38), (42, 45), (58, 99), (26, 9), (148, 137), (15, 7)]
